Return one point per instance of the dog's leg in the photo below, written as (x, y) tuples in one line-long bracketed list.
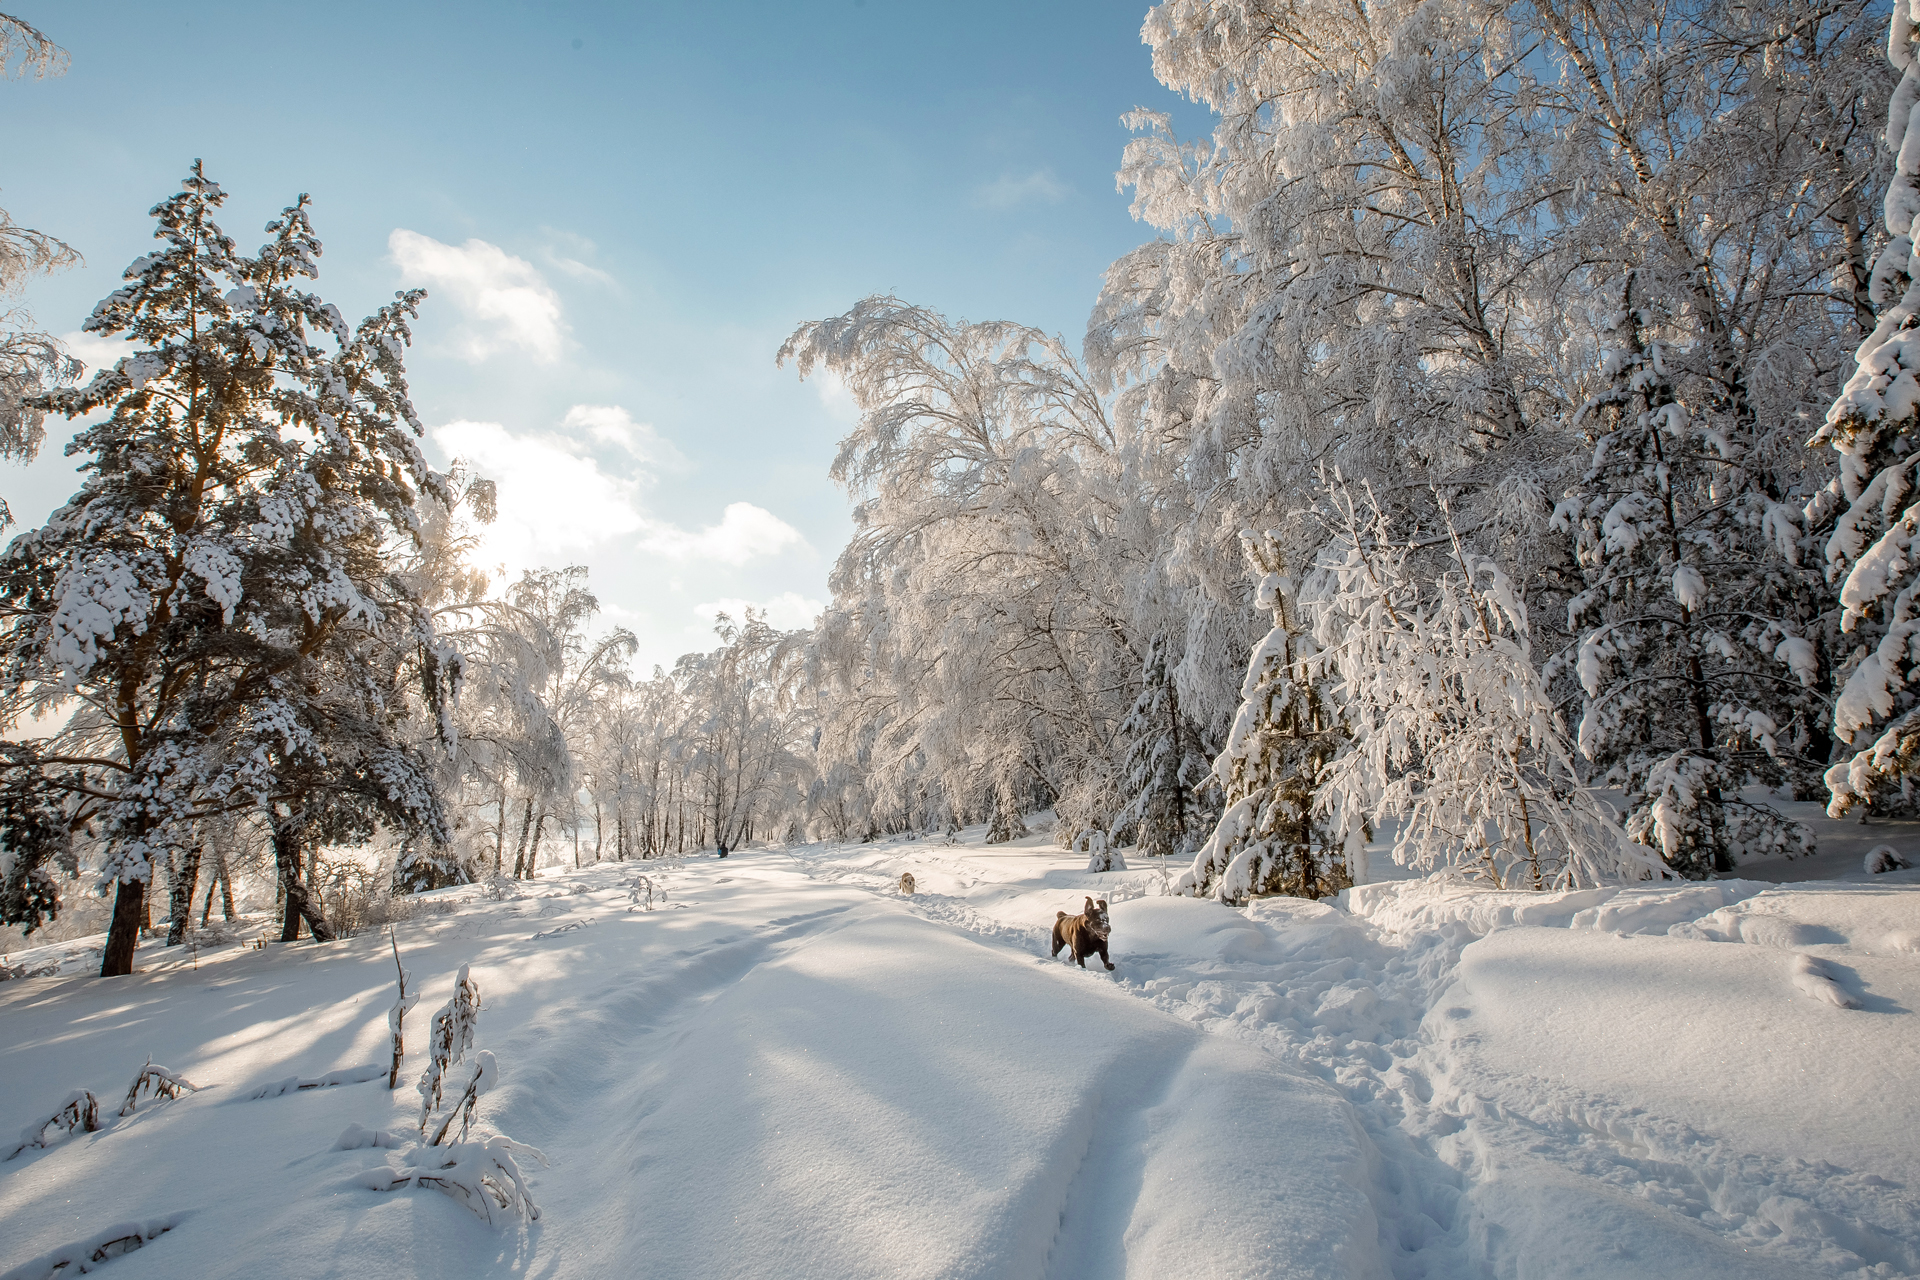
[(1058, 942), (1103, 954)]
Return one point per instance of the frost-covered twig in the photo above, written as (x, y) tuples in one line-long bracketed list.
[(162, 1083), (453, 1031), (485, 1075), (483, 1175), (80, 1110), (294, 1084), (102, 1246), (568, 927), (397, 1016)]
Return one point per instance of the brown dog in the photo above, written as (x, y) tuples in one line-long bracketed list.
[(906, 882), (1083, 934)]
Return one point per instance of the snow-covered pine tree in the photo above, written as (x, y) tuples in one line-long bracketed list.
[(1271, 839), (1453, 733), (1163, 766), (1696, 627), (247, 461), (1871, 506)]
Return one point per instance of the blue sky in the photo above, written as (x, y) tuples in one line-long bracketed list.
[(620, 211)]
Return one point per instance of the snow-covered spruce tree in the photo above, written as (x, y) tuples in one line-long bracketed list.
[(1871, 506), (1453, 733), (1163, 766), (1696, 627), (37, 821), (253, 454), (1271, 838)]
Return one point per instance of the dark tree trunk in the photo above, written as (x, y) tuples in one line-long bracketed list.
[(299, 903), (226, 890), (180, 903), (123, 935)]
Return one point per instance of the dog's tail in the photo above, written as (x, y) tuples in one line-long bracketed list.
[(1059, 915)]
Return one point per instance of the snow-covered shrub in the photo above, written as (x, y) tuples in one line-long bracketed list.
[(642, 892), (348, 890), (483, 1175), (1883, 858), (159, 1082), (1101, 857), (80, 1110), (454, 1026)]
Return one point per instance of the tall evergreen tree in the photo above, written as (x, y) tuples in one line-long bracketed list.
[(1163, 765), (1870, 509), (1697, 628), (254, 455), (1271, 839)]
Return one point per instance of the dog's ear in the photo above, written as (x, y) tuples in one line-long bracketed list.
[(1089, 904), (1103, 904)]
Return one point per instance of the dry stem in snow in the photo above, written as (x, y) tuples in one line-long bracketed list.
[(160, 1082), (81, 1110)]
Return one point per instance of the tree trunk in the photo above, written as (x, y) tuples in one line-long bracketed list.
[(526, 828), (533, 853), (123, 935), (226, 891), (500, 832), (180, 902), (299, 903)]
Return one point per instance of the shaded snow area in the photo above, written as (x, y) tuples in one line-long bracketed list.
[(789, 1068)]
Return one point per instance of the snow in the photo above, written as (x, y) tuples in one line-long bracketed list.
[(789, 1068)]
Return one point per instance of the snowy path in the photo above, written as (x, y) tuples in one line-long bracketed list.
[(1583, 1097), (771, 1076), (791, 1070)]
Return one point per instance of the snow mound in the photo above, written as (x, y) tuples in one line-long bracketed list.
[(1411, 906), (1194, 928)]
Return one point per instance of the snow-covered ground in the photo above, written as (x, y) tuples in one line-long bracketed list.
[(790, 1069)]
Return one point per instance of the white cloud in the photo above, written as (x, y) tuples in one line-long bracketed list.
[(611, 424), (508, 303), (787, 611), (744, 533), (555, 503), (1009, 192), (552, 502)]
